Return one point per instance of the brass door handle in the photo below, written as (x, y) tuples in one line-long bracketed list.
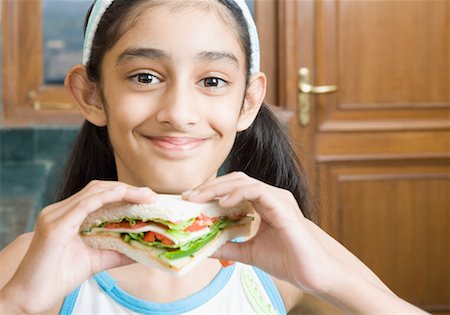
[(304, 90)]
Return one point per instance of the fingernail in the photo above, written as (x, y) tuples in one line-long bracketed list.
[(143, 188), (191, 193), (224, 198)]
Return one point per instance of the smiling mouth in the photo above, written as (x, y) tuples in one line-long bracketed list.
[(177, 143)]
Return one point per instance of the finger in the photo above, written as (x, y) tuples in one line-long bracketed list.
[(234, 191), (275, 206), (231, 177), (255, 193), (266, 200), (55, 211), (94, 190), (75, 216), (92, 185), (221, 179), (107, 259), (218, 190)]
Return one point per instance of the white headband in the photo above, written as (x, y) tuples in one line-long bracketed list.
[(101, 6)]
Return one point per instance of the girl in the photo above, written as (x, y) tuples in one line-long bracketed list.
[(170, 91)]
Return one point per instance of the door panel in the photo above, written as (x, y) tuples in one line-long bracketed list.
[(396, 220), (390, 60), (406, 38), (380, 145)]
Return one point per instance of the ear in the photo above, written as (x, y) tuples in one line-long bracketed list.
[(85, 95), (254, 96)]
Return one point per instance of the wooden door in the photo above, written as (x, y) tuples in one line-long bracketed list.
[(380, 145)]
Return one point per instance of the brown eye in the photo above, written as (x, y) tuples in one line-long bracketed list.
[(213, 82), (145, 78)]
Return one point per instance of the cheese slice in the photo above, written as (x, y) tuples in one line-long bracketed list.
[(178, 239), (177, 263)]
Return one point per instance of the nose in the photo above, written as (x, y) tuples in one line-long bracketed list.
[(178, 107)]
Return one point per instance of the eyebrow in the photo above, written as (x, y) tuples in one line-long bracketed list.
[(142, 53), (153, 53), (208, 56)]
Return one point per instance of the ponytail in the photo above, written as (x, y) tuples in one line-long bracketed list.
[(264, 152), (91, 158)]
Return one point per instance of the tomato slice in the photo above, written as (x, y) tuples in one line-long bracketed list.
[(163, 239), (226, 263), (194, 227), (153, 236), (149, 237), (139, 224), (200, 222)]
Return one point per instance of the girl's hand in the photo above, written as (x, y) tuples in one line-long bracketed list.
[(292, 248), (57, 260), (284, 245)]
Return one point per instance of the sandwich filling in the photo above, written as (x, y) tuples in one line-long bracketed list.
[(174, 239)]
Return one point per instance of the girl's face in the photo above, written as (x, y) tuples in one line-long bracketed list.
[(173, 89)]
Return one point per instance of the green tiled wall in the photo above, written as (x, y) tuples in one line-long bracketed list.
[(30, 162)]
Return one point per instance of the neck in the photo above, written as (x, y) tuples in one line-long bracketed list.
[(157, 286)]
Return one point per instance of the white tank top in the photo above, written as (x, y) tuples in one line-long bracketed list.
[(239, 289)]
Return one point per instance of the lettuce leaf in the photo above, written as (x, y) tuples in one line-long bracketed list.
[(180, 226), (178, 234), (194, 246), (136, 236), (184, 249)]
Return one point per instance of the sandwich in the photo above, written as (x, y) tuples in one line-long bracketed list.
[(170, 234)]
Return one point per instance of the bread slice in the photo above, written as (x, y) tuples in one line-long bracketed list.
[(166, 207), (152, 257)]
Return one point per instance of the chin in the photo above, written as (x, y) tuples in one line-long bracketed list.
[(170, 179), (170, 191), (176, 187)]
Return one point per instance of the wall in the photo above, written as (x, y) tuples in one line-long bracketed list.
[(30, 162)]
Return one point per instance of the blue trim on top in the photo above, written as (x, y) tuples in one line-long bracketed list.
[(69, 303), (271, 290), (108, 284)]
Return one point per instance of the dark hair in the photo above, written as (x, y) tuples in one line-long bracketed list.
[(262, 151)]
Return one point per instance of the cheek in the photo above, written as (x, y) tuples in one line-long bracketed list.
[(123, 106), (225, 112), (127, 110), (225, 120)]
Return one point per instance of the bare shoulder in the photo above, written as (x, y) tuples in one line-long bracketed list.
[(11, 256), (290, 294)]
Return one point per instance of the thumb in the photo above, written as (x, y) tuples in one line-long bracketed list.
[(108, 259), (233, 251)]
